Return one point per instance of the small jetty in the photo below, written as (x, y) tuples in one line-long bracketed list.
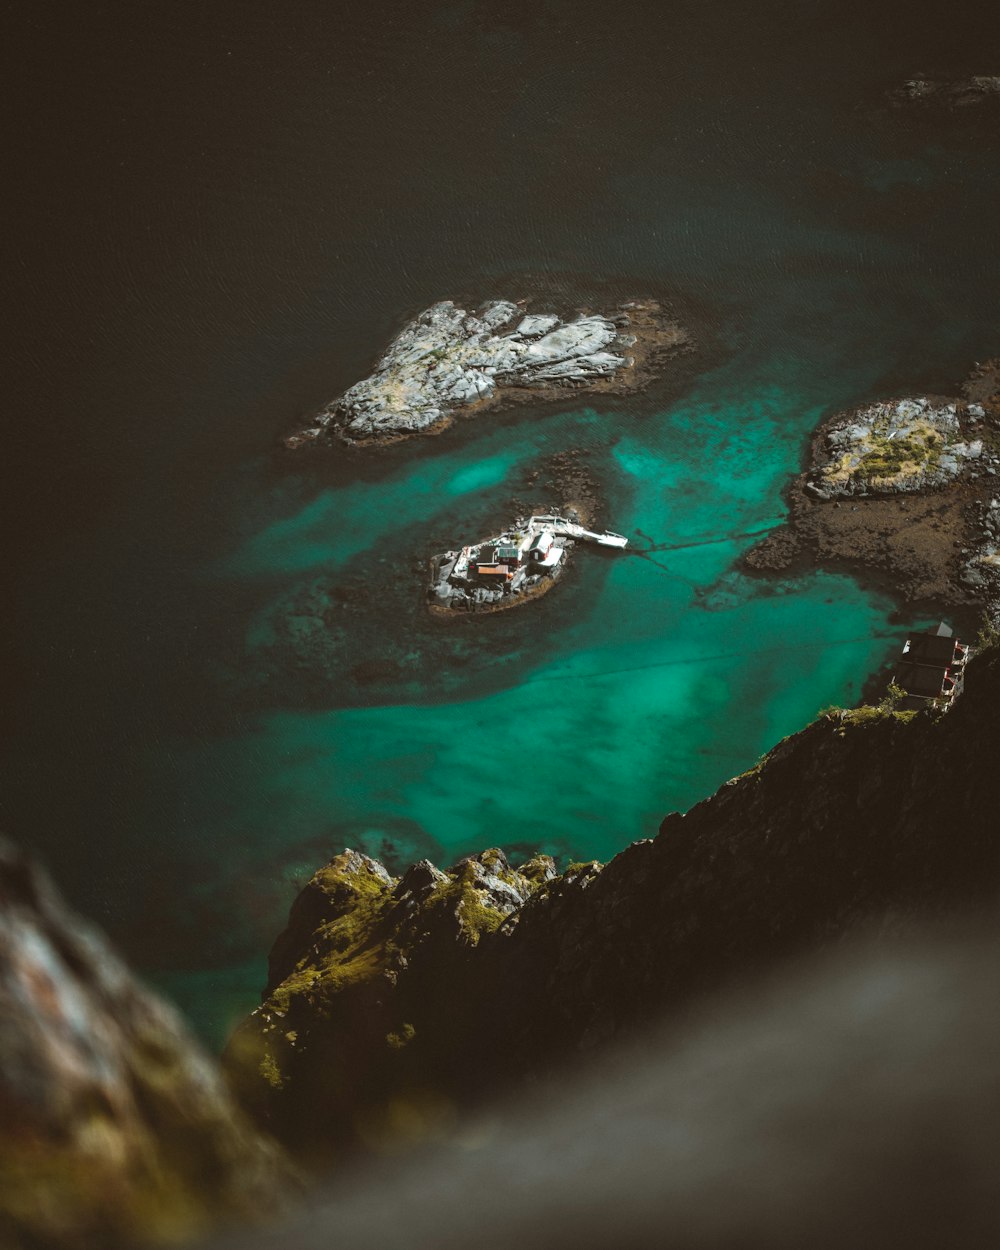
[(512, 567)]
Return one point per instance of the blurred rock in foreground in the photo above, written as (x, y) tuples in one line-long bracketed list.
[(114, 1126)]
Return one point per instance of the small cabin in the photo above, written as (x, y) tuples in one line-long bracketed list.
[(931, 667), (507, 555), (539, 546), (494, 571)]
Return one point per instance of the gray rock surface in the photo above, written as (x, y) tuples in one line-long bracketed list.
[(448, 358), (896, 447), (949, 93)]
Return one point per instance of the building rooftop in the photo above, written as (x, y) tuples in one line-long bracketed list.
[(920, 679), (935, 649), (925, 668)]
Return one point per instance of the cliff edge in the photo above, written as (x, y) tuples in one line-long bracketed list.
[(392, 1004)]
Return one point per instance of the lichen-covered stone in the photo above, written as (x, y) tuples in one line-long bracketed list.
[(896, 447), (903, 487)]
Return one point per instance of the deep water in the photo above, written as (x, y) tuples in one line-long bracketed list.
[(223, 671)]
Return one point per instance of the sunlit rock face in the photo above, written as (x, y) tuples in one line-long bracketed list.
[(901, 446), (335, 1057), (447, 359), (114, 1126)]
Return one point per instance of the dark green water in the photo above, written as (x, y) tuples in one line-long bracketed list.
[(223, 673)]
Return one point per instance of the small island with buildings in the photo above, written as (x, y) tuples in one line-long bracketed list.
[(513, 567)]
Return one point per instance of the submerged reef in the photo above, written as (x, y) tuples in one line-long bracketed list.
[(907, 489), (395, 1003), (448, 360)]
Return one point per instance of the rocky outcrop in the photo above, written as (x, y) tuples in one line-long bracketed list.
[(850, 1099), (949, 93), (325, 1057), (447, 360), (393, 1003), (899, 447), (115, 1126), (903, 488)]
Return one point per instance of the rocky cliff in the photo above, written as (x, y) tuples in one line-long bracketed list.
[(849, 1099), (114, 1125), (393, 1003)]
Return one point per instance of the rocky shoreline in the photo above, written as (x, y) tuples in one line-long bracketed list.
[(447, 361), (907, 490), (573, 492)]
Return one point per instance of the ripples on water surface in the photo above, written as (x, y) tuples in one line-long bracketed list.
[(259, 200)]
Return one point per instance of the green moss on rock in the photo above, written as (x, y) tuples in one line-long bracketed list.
[(357, 944)]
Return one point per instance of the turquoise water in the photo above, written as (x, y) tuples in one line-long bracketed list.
[(635, 688), (224, 672), (666, 673)]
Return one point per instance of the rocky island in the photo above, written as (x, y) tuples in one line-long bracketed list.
[(513, 568), (908, 489), (448, 360), (948, 93)]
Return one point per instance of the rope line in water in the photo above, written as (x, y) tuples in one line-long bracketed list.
[(709, 659), (646, 553)]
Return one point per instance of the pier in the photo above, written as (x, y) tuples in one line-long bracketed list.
[(569, 529)]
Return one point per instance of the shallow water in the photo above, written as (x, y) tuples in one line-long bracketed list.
[(207, 698)]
